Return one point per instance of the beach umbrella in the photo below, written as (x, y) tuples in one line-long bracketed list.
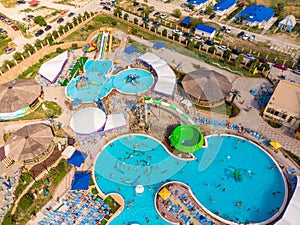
[(28, 142), (159, 45), (275, 144), (139, 189), (164, 193)]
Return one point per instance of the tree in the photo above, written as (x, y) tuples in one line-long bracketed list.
[(226, 55), (146, 12), (38, 43), (177, 13), (279, 9), (238, 60), (265, 66), (191, 44), (209, 9), (176, 36), (86, 14), (69, 25), (211, 49), (61, 29), (17, 56), (40, 21), (59, 50), (234, 94), (194, 22), (254, 64), (75, 20), (118, 12), (135, 20), (126, 16), (190, 6), (165, 32), (28, 48)]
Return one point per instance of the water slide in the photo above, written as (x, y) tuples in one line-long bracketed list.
[(158, 102), (103, 45), (98, 41)]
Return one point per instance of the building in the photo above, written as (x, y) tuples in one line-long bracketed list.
[(287, 23), (200, 83), (200, 4), (224, 7), (255, 15), (205, 31), (281, 110)]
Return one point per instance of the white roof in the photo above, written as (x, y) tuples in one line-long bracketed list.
[(115, 121), (52, 68), (166, 78), (88, 120), (289, 20), (68, 152), (291, 215)]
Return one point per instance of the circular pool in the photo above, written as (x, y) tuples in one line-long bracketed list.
[(232, 178)]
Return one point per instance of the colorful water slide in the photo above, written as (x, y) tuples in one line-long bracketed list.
[(158, 102), (98, 41), (103, 45)]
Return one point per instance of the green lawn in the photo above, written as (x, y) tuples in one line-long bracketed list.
[(3, 44), (224, 109)]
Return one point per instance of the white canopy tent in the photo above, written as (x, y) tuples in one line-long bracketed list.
[(115, 121), (68, 152), (52, 68), (88, 120), (291, 215), (166, 78)]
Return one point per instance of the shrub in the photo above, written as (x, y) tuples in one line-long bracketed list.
[(25, 202), (59, 50), (74, 46), (95, 191)]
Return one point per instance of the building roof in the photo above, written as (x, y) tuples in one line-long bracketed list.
[(286, 90), (256, 13), (205, 28), (18, 94), (289, 20), (115, 121), (197, 2), (206, 85), (52, 68), (88, 120), (186, 21), (224, 4)]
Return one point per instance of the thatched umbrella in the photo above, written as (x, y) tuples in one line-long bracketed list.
[(17, 94), (206, 85), (29, 142)]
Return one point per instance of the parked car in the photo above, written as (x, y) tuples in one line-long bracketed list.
[(297, 71), (187, 34), (15, 27), (9, 50), (236, 52), (3, 31), (7, 21), (38, 33), (71, 14), (228, 30), (251, 38), (177, 31), (106, 8), (212, 16), (30, 16), (209, 42), (202, 12), (2, 17), (223, 47), (48, 27), (262, 60), (183, 5), (199, 39), (249, 56), (156, 14), (146, 19), (241, 34), (163, 16), (223, 28), (20, 2), (60, 20), (245, 37), (280, 66), (156, 23), (102, 3), (140, 9), (151, 8), (187, 9), (135, 3)]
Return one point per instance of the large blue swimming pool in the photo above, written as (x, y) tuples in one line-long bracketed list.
[(136, 159), (100, 82)]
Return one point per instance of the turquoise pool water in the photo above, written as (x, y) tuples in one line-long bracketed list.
[(136, 159), (99, 84)]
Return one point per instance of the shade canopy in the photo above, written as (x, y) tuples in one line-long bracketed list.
[(77, 158), (139, 189), (164, 193), (187, 138), (130, 49), (18, 94), (206, 85), (159, 45), (81, 181), (29, 142), (275, 144)]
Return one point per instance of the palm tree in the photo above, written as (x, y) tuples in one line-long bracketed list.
[(234, 94)]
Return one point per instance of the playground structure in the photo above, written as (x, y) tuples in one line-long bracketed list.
[(187, 138), (82, 82), (149, 100), (132, 79), (100, 43)]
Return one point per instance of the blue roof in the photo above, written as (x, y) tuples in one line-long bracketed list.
[(196, 2), (81, 181), (186, 21), (130, 49), (256, 13), (224, 4), (77, 158), (205, 28), (159, 45)]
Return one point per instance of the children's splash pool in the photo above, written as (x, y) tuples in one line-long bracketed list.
[(98, 83), (232, 177)]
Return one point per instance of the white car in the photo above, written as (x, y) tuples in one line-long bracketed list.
[(163, 16), (187, 9), (251, 38), (223, 47), (245, 37), (199, 39), (177, 31), (228, 30)]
